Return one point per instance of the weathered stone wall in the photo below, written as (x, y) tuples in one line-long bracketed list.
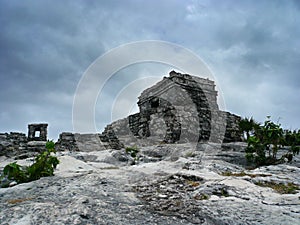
[(233, 133), (66, 141), (188, 107), (109, 138), (16, 144), (88, 142), (12, 143)]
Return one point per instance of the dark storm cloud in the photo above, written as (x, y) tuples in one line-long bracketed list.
[(256, 58), (45, 46), (44, 50)]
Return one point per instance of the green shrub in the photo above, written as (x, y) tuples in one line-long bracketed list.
[(292, 138), (248, 126), (132, 151), (43, 166), (16, 172), (266, 140)]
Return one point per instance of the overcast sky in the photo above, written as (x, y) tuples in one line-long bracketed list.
[(252, 47)]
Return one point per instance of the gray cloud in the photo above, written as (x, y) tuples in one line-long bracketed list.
[(45, 47)]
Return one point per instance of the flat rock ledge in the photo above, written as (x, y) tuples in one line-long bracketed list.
[(166, 184)]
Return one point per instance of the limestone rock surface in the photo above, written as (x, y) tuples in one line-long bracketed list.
[(162, 184)]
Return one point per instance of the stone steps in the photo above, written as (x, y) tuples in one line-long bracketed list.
[(89, 142)]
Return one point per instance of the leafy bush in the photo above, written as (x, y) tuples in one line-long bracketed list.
[(43, 166), (292, 138), (267, 139), (16, 172), (248, 126)]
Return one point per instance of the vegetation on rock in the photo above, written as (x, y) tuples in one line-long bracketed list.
[(265, 140), (248, 126), (43, 166), (242, 174), (280, 188), (132, 151)]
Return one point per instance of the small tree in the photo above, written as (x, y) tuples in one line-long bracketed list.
[(264, 144), (292, 138), (248, 126), (272, 136)]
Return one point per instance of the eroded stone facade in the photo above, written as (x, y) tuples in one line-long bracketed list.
[(188, 107), (37, 132), (18, 144), (180, 108)]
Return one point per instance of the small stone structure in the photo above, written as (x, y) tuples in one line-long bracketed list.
[(37, 132)]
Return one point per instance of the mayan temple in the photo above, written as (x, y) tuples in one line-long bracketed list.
[(179, 108)]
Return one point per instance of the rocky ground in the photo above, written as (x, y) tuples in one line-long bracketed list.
[(162, 184)]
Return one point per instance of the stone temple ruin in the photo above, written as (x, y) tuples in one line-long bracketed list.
[(180, 108), (184, 99)]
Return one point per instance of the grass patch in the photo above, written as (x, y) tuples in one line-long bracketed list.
[(229, 173), (280, 188), (193, 183), (242, 174), (15, 201), (110, 168), (201, 197)]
